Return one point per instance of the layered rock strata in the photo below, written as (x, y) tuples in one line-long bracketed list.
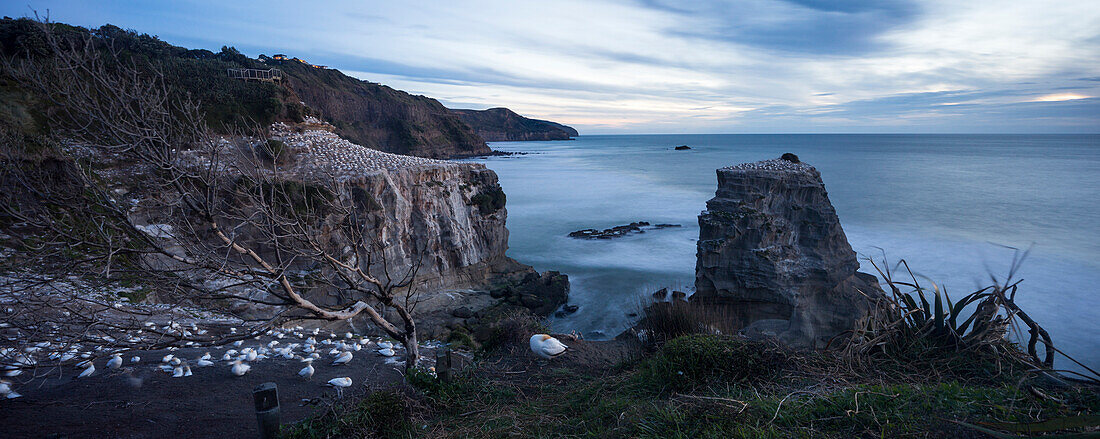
[(772, 249)]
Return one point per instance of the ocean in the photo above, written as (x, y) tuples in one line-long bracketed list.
[(956, 207)]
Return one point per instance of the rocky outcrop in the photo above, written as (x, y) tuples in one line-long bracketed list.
[(445, 218), (771, 245), (619, 231), (502, 124)]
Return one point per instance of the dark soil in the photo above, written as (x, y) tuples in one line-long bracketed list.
[(140, 401)]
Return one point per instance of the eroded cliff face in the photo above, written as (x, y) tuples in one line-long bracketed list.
[(771, 245), (429, 219)]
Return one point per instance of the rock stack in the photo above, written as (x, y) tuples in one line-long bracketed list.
[(771, 248)]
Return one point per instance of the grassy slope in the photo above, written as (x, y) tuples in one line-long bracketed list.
[(748, 393)]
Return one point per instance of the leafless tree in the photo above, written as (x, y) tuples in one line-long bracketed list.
[(143, 188)]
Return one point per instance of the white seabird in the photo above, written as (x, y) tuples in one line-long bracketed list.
[(307, 372), (6, 390), (87, 371), (343, 358), (239, 368), (546, 346), (115, 362), (386, 352), (340, 382)]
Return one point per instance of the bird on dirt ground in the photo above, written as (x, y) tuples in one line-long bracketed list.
[(340, 384), (239, 368), (307, 372), (6, 391), (88, 371), (546, 346), (343, 358), (115, 362)]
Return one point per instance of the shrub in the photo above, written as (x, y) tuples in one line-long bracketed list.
[(696, 360), (508, 326), (273, 150), (383, 414), (490, 200), (664, 321)]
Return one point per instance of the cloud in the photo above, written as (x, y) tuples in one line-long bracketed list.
[(644, 66)]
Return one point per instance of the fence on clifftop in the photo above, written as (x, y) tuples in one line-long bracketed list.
[(270, 75)]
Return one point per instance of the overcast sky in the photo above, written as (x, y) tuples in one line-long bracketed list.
[(661, 66)]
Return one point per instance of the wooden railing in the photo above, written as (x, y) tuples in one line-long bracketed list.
[(256, 74)]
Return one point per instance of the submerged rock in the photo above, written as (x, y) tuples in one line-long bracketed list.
[(682, 148), (618, 231), (770, 242)]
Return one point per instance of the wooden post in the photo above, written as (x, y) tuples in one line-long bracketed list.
[(443, 364), (266, 397)]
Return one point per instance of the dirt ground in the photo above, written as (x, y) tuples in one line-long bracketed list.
[(140, 401)]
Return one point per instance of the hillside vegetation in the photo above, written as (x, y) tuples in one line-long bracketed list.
[(370, 114)]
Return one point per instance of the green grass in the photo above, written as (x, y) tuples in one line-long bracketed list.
[(739, 391)]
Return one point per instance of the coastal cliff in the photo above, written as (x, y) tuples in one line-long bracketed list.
[(771, 245), (502, 124)]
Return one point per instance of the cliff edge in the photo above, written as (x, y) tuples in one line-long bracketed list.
[(771, 246)]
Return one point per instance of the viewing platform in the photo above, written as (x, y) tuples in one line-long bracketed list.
[(269, 75)]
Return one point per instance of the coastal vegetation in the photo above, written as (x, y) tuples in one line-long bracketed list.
[(701, 384)]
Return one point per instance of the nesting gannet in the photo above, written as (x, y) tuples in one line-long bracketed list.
[(340, 382), (238, 343), (87, 371), (385, 345), (386, 352), (186, 370), (202, 362), (307, 372), (177, 372), (168, 358), (135, 359), (239, 368), (227, 356), (6, 390), (115, 362), (343, 358), (546, 346), (205, 356)]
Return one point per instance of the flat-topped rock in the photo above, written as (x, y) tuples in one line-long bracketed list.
[(771, 243)]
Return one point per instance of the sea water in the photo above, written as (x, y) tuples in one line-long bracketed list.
[(954, 206)]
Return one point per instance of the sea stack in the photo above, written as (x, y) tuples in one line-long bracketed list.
[(771, 249)]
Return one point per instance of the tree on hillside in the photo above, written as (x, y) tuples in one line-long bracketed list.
[(231, 228)]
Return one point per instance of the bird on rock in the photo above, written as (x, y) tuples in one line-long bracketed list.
[(546, 346)]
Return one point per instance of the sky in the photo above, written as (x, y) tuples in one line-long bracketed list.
[(663, 66)]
